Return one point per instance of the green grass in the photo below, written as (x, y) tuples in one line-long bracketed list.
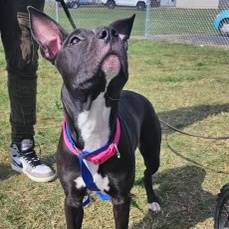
[(189, 88)]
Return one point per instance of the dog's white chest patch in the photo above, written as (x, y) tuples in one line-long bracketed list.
[(95, 131), (101, 182), (94, 124), (79, 182)]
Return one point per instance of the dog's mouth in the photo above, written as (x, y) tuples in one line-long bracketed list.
[(111, 65)]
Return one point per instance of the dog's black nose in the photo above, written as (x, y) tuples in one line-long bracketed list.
[(107, 34), (103, 34)]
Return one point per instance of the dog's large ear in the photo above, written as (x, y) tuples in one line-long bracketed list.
[(47, 33), (124, 27)]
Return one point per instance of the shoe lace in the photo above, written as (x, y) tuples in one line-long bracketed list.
[(31, 157)]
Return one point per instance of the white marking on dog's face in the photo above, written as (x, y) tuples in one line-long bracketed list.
[(79, 182), (154, 207)]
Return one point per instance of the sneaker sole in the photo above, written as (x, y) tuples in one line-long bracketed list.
[(36, 179)]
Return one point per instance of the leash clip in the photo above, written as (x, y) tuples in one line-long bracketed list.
[(118, 153)]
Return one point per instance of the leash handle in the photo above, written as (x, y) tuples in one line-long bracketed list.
[(69, 16)]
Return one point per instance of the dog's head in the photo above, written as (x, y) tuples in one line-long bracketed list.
[(84, 57)]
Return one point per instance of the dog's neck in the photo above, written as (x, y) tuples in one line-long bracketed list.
[(92, 117)]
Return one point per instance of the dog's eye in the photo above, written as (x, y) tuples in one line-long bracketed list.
[(74, 40)]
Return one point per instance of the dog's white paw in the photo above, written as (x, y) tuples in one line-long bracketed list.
[(154, 207)]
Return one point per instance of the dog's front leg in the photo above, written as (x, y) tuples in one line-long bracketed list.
[(121, 208), (73, 213)]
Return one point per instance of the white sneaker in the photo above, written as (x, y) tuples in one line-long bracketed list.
[(25, 160)]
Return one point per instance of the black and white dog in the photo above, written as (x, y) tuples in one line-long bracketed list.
[(103, 123)]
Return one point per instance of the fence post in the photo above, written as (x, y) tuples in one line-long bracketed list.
[(147, 21), (57, 12)]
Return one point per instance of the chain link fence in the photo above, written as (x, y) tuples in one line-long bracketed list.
[(92, 13), (198, 22)]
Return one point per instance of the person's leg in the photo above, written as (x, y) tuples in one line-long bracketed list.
[(21, 57)]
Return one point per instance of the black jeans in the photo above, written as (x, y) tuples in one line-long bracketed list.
[(21, 54)]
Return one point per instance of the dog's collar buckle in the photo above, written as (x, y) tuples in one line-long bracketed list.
[(117, 150)]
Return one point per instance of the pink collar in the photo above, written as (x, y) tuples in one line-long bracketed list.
[(98, 156)]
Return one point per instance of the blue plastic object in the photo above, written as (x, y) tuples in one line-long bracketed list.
[(223, 15)]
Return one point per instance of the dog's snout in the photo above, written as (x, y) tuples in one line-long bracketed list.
[(107, 34)]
